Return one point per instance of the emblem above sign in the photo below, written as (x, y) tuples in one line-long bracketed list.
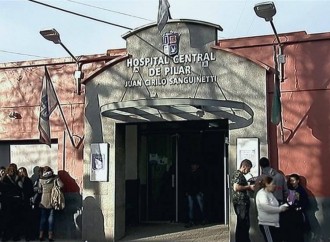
[(171, 43)]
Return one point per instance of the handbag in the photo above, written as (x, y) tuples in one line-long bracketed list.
[(57, 199)]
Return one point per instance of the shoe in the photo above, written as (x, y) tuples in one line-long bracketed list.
[(41, 239), (51, 240), (189, 225)]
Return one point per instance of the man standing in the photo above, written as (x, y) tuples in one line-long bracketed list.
[(195, 194), (241, 201), (281, 190)]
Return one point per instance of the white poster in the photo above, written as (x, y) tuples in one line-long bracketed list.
[(99, 162), (248, 148)]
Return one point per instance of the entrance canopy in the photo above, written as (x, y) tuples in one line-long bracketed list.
[(239, 114)]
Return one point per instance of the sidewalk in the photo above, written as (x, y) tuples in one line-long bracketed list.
[(170, 232), (177, 232)]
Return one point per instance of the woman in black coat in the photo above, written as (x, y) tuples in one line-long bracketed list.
[(27, 190), (296, 223), (12, 204)]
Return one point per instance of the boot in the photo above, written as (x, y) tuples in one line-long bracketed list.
[(50, 236), (41, 236)]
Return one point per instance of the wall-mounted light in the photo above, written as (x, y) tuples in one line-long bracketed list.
[(15, 115), (54, 36)]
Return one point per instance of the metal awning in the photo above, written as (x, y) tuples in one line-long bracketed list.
[(239, 114)]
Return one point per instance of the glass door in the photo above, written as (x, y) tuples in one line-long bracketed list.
[(161, 177), (165, 153)]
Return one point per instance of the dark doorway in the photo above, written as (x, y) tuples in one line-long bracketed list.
[(166, 150)]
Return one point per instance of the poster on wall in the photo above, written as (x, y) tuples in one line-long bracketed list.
[(248, 148), (99, 162)]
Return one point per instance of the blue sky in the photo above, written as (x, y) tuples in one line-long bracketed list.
[(21, 21)]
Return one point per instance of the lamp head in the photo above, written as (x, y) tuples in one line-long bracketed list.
[(51, 35), (265, 10)]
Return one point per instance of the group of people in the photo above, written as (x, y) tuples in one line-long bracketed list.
[(281, 204), (25, 207)]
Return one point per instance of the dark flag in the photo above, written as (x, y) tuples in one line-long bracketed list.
[(48, 104), (163, 14), (276, 116)]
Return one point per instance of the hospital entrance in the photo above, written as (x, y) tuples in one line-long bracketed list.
[(165, 151)]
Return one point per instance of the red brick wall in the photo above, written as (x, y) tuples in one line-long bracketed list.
[(305, 101)]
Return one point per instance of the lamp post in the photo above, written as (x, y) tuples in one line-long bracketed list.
[(267, 11), (54, 36)]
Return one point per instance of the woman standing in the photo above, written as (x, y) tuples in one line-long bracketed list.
[(12, 204), (35, 202), (46, 183), (27, 189), (269, 210), (296, 224)]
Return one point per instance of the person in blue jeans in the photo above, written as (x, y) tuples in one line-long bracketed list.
[(195, 194), (46, 183)]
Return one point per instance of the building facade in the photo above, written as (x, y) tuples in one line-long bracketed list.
[(170, 98)]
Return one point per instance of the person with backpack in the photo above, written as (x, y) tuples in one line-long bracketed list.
[(47, 220), (281, 189)]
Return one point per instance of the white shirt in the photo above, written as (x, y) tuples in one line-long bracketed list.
[(268, 208)]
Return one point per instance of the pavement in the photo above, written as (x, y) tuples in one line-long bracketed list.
[(177, 232), (171, 232)]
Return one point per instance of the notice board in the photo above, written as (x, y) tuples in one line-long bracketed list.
[(248, 148)]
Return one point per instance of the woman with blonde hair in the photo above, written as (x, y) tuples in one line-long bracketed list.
[(46, 183)]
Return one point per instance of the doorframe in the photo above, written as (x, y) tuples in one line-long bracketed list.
[(225, 216)]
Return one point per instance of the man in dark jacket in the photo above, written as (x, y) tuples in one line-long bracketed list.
[(195, 193), (241, 200)]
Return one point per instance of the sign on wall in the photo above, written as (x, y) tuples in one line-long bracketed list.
[(248, 148), (99, 162)]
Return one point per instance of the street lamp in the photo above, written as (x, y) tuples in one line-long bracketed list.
[(54, 36), (267, 11)]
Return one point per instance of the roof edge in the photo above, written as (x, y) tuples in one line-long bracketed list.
[(229, 50), (110, 63), (266, 40), (192, 21)]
